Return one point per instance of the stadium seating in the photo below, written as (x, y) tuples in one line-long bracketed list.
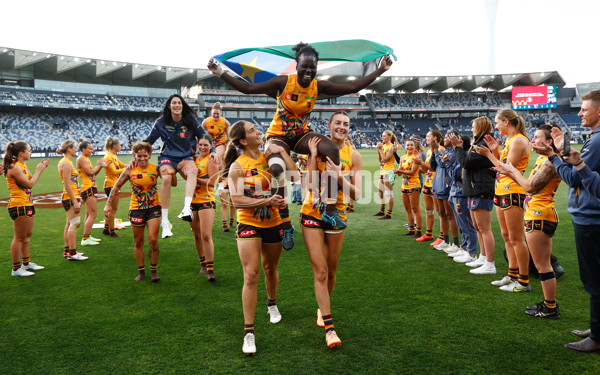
[(46, 130)]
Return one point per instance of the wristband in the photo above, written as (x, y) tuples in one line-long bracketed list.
[(552, 157), (578, 164)]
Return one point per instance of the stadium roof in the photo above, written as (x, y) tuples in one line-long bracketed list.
[(82, 69)]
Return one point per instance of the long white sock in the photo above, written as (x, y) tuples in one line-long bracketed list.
[(187, 202), (165, 215)]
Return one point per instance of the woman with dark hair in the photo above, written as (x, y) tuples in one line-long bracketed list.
[(144, 207), (20, 207), (89, 190), (541, 219), (441, 162), (204, 207), (178, 127), (296, 97), (478, 186), (510, 197), (71, 199), (259, 224), (459, 203), (114, 168)]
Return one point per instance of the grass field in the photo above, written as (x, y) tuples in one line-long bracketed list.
[(399, 306)]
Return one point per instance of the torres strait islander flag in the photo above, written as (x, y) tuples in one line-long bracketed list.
[(257, 65)]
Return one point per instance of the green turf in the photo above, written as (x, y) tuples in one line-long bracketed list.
[(399, 306)]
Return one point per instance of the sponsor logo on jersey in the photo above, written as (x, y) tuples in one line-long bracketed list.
[(184, 135), (292, 97), (165, 161), (251, 172), (247, 233), (137, 177), (136, 220), (536, 212)]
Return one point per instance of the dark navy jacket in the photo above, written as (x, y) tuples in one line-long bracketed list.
[(179, 140)]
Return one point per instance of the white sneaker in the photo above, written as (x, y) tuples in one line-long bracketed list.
[(89, 242), (76, 257), (465, 258), (442, 246), (273, 311), (452, 249), (166, 229), (515, 286), (477, 263), (249, 346), (489, 268), (503, 281), (33, 267), (459, 252), (21, 272), (186, 214), (67, 255)]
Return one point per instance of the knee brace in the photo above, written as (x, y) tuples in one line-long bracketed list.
[(276, 166), (74, 223), (26, 239), (547, 276), (429, 212)]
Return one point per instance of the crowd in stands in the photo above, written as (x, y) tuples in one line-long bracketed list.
[(44, 130), (79, 101)]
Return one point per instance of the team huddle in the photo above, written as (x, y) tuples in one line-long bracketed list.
[(462, 178)]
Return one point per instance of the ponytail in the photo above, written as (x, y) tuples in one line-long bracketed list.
[(231, 155), (514, 120), (65, 146), (237, 132), (110, 142), (11, 155), (83, 145)]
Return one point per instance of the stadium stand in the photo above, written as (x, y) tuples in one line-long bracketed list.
[(44, 130)]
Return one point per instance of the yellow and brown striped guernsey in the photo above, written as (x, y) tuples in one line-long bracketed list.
[(74, 180), (257, 184), (504, 184), (113, 169), (430, 173), (19, 195), (314, 203), (409, 181), (216, 129), (87, 181), (388, 165), (144, 190), (294, 106), (203, 193), (540, 205)]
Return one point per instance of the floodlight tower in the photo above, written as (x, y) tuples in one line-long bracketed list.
[(491, 8)]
